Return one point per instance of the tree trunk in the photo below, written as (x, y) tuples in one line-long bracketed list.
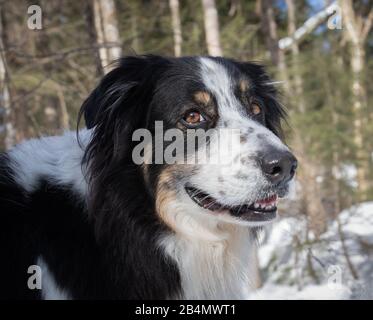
[(359, 104), (269, 27), (212, 28), (92, 34), (5, 103), (176, 26), (298, 83), (356, 30), (107, 32)]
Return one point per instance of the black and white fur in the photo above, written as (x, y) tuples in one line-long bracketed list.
[(101, 227)]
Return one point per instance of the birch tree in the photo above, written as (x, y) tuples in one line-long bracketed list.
[(5, 104), (176, 26), (298, 83), (269, 27), (107, 32), (212, 28), (356, 30)]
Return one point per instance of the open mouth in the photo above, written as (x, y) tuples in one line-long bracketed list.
[(261, 210)]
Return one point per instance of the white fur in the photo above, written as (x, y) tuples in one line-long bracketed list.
[(49, 288), (214, 258), (57, 159)]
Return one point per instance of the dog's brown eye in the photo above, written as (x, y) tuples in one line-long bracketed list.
[(193, 117), (255, 108)]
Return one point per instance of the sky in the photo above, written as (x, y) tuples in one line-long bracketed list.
[(316, 5)]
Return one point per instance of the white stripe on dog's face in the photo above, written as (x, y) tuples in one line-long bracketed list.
[(231, 111)]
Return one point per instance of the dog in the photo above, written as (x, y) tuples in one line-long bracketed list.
[(81, 220)]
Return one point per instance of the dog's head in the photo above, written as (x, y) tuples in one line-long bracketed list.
[(233, 102)]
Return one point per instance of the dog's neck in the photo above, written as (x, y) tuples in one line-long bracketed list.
[(216, 260)]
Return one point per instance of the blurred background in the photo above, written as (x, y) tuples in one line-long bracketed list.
[(54, 52)]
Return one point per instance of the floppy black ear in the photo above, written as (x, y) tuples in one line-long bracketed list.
[(132, 78), (118, 106)]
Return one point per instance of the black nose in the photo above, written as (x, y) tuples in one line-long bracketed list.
[(279, 166)]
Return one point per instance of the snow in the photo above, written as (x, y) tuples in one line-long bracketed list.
[(359, 220), (280, 234), (311, 292), (298, 267), (347, 173)]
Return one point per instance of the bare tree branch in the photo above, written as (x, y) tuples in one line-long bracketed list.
[(367, 25), (310, 25)]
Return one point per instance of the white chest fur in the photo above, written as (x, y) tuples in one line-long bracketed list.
[(218, 267)]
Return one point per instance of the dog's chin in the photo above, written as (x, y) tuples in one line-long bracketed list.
[(259, 212)]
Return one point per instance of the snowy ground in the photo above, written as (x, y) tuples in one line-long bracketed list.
[(295, 267)]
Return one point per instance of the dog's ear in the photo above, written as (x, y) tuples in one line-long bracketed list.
[(129, 83), (117, 107)]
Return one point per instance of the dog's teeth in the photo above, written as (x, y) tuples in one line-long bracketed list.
[(256, 205)]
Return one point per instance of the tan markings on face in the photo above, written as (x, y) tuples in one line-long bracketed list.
[(244, 85), (165, 195), (167, 202), (202, 97)]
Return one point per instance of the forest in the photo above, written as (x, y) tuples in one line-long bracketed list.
[(319, 53)]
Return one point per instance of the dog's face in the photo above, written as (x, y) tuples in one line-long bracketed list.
[(236, 173)]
